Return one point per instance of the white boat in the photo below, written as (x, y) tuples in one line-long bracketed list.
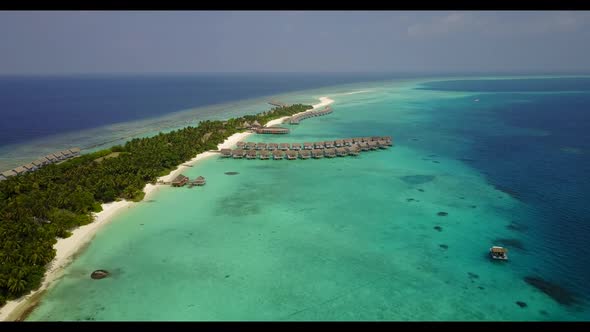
[(499, 253)]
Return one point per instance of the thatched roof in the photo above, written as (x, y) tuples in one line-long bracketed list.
[(37, 163), (240, 143), (308, 144), (284, 145), (251, 144), (29, 166), (20, 169), (256, 124), (9, 173), (261, 145), (275, 145), (499, 250), (179, 178), (238, 152), (264, 153), (252, 153)]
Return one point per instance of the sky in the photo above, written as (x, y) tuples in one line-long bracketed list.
[(95, 42)]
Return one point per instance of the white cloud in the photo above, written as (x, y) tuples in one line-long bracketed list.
[(500, 23)]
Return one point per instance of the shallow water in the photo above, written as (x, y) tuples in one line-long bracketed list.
[(355, 238)]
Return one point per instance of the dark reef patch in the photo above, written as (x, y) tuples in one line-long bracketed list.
[(514, 226), (444, 246), (442, 214), (421, 190), (410, 199), (150, 201), (417, 179), (436, 161), (473, 275), (556, 292), (521, 304), (99, 274), (481, 287), (510, 243), (510, 192), (473, 206), (438, 228), (231, 173)]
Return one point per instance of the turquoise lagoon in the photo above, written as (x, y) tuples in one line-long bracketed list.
[(355, 238)]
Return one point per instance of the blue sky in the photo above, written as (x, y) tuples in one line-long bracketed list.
[(292, 41)]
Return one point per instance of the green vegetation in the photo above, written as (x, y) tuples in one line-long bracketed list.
[(38, 207)]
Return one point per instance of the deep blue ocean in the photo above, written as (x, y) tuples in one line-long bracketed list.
[(548, 170), (35, 107)]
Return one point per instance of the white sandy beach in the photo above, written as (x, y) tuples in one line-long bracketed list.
[(67, 248)]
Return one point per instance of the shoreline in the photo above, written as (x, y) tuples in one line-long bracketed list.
[(68, 248)]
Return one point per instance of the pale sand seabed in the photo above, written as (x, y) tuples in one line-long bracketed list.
[(67, 248)]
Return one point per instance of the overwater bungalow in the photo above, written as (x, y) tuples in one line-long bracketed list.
[(307, 146), (347, 142), (305, 154), (59, 156), (338, 143), (38, 163), (264, 154), (272, 146), (356, 140), (353, 150), (2, 178), (251, 154), (250, 146), (373, 145), (330, 153), (329, 144), (341, 152), (382, 144), (366, 139), (278, 154), (318, 145), (179, 181), (317, 153), (364, 146), (284, 146), (261, 146), (240, 144), (272, 130), (238, 153), (226, 153), (296, 146), (292, 155), (200, 181)]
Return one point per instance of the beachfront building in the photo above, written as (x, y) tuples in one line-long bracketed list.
[(2, 178), (75, 152), (38, 163), (20, 170), (179, 181), (30, 167), (8, 174), (256, 124)]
